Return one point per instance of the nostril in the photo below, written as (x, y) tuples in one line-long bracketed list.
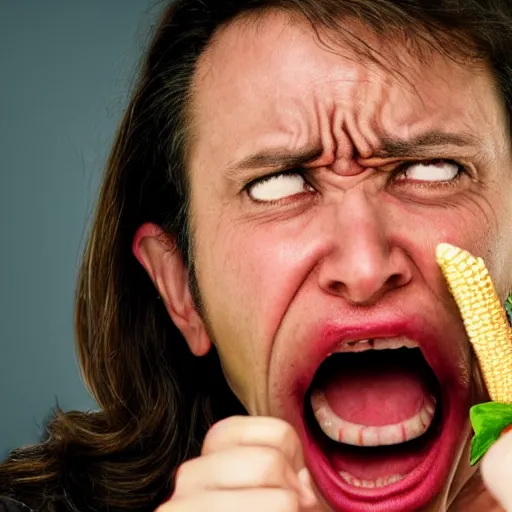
[(337, 287), (366, 291), (363, 277), (396, 281)]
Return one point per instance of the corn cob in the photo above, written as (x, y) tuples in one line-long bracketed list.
[(483, 315)]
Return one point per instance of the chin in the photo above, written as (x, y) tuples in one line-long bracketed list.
[(382, 411)]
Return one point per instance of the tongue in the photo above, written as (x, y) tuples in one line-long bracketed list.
[(374, 389)]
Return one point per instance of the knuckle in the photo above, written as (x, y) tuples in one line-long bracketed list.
[(211, 435), (288, 441), (286, 434), (178, 475), (273, 463), (216, 433), (182, 471)]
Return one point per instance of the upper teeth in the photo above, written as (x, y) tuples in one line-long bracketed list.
[(375, 344)]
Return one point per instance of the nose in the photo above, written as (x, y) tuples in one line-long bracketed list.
[(364, 261)]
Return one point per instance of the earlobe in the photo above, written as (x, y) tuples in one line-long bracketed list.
[(156, 251)]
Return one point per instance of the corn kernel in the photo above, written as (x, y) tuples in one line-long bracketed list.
[(484, 317)]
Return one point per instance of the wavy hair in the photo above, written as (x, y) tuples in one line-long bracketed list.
[(156, 399)]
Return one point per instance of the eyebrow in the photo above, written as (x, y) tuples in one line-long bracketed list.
[(398, 148), (281, 159), (391, 147)]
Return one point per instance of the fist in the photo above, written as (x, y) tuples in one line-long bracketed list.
[(497, 470), (252, 464)]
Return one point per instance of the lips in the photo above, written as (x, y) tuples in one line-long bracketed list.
[(395, 478)]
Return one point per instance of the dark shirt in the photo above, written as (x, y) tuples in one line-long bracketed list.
[(10, 505)]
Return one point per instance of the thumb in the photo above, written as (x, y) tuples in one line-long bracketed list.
[(496, 469)]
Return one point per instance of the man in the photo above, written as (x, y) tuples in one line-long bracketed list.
[(321, 183), (328, 147)]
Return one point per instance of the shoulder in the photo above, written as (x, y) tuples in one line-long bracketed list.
[(11, 505)]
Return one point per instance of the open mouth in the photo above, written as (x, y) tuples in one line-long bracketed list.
[(373, 411), (380, 427)]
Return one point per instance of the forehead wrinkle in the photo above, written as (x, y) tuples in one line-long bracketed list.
[(307, 114), (299, 125), (310, 141), (302, 126)]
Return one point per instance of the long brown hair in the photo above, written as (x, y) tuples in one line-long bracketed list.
[(157, 400)]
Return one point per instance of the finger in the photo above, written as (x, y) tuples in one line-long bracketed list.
[(241, 467), (255, 431), (308, 497), (251, 500), (496, 471)]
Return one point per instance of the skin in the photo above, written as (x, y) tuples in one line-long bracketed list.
[(358, 239)]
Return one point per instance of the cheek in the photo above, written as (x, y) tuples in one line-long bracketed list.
[(245, 275), (499, 258), (487, 234), (504, 238), (250, 272), (478, 224), (472, 224)]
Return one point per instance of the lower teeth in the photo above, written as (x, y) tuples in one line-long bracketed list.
[(370, 484), (346, 432)]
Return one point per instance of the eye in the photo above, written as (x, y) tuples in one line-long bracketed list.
[(278, 186), (434, 170)]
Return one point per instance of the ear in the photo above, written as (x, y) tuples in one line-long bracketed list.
[(158, 254)]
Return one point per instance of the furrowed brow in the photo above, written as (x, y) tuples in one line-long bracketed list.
[(276, 159), (391, 147)]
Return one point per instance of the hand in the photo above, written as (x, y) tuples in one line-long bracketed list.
[(253, 464), (496, 471)]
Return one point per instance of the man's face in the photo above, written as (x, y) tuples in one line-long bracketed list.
[(321, 184)]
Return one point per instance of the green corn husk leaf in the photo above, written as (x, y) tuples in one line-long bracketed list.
[(488, 421)]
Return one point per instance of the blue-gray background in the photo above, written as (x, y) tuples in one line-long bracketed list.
[(66, 68)]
